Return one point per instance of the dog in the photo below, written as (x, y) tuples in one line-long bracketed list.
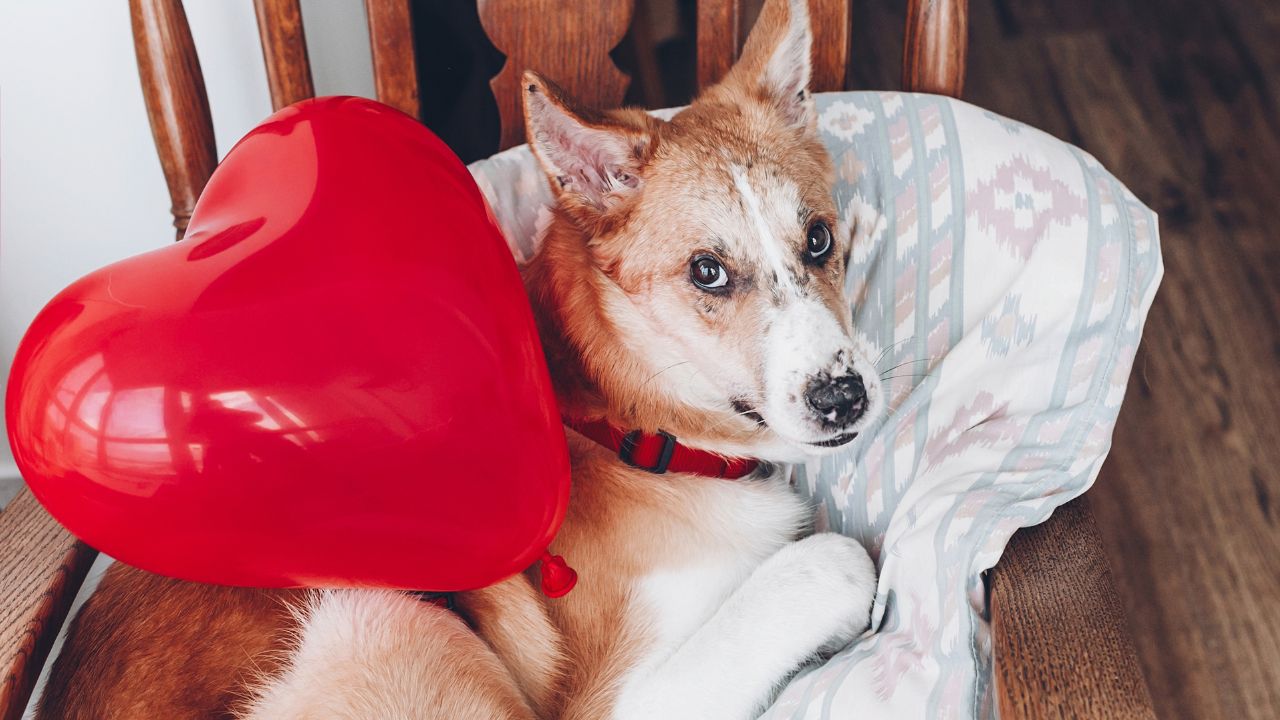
[(689, 295)]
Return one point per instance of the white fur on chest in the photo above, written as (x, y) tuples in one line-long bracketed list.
[(752, 521)]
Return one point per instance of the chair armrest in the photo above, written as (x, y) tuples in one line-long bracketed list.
[(41, 568), (1059, 634)]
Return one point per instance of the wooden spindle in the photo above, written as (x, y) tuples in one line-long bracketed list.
[(937, 39), (567, 41), (395, 66), (284, 49), (177, 106), (719, 39), (832, 42)]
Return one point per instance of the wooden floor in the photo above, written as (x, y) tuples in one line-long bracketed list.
[(1181, 100)]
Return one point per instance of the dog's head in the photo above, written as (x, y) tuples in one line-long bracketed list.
[(714, 246)]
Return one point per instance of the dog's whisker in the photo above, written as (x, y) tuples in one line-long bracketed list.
[(754, 397), (887, 348), (673, 365), (890, 347), (734, 416), (908, 362)]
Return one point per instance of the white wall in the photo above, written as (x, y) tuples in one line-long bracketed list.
[(80, 183)]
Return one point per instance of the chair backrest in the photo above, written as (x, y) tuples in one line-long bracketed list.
[(567, 40)]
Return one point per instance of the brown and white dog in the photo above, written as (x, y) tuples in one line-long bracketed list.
[(692, 281)]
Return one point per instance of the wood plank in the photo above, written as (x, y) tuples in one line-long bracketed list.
[(1060, 639), (41, 568), (284, 49), (1041, 18), (1011, 75), (1185, 502), (395, 65)]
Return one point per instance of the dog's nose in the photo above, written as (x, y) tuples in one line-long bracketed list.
[(840, 400)]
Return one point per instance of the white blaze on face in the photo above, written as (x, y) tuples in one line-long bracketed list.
[(805, 340), (775, 249)]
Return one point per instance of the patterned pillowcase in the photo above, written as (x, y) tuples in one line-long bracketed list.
[(1002, 278)]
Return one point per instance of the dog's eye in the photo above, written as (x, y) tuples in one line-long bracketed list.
[(708, 274), (819, 244)]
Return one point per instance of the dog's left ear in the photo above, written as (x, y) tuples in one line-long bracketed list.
[(594, 158), (776, 61)]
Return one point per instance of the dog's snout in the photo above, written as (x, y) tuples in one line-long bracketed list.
[(839, 400)]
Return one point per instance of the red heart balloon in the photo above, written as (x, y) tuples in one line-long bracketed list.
[(334, 380)]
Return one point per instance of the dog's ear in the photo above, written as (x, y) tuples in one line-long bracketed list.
[(776, 62), (597, 158)]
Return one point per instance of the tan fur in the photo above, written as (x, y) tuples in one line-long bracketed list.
[(395, 658), (513, 619), (146, 647)]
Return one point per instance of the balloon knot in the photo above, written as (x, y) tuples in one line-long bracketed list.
[(557, 577)]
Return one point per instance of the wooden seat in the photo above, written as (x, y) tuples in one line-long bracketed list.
[(1060, 639)]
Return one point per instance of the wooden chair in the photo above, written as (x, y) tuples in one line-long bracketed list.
[(1060, 639)]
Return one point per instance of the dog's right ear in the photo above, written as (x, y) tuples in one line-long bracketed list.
[(776, 61), (595, 158)]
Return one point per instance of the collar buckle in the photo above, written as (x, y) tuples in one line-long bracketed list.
[(627, 450)]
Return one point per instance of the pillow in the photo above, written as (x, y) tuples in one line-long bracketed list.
[(1002, 278)]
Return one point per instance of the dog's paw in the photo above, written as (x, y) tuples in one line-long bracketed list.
[(832, 581)]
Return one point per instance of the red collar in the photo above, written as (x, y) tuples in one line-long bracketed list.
[(661, 452)]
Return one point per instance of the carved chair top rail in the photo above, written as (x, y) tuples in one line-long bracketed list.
[(569, 42)]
